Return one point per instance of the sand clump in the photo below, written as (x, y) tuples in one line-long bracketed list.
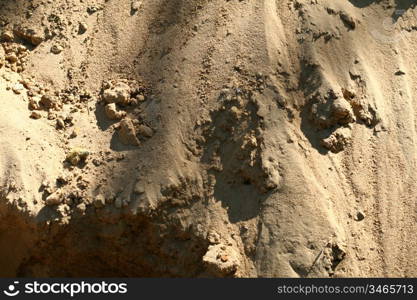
[(127, 133), (113, 113)]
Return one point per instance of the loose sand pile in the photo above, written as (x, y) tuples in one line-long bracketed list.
[(224, 138)]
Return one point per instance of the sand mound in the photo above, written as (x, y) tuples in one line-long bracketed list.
[(208, 138)]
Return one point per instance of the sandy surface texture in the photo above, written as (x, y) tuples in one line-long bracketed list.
[(222, 138)]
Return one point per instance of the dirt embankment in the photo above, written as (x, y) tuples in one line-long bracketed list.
[(208, 138)]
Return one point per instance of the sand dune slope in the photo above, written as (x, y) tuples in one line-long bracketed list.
[(267, 138)]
